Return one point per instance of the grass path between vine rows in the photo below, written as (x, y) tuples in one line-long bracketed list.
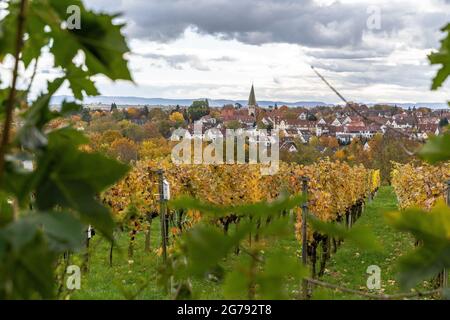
[(126, 278), (349, 265)]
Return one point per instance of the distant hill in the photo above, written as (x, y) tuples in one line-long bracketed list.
[(57, 100), (139, 101), (431, 105)]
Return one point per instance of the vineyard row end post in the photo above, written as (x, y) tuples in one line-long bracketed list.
[(162, 214), (305, 181), (445, 272)]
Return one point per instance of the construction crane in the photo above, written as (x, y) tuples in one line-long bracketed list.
[(352, 106)]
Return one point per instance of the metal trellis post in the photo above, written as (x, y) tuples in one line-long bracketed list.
[(305, 181), (162, 214)]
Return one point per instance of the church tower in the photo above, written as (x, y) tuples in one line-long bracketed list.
[(252, 103)]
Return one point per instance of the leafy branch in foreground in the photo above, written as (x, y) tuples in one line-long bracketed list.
[(432, 230), (262, 271), (200, 252), (63, 186), (442, 57), (438, 148)]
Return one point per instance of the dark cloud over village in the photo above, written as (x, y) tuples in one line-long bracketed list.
[(333, 35)]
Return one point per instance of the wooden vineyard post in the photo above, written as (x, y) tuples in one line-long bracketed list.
[(304, 233), (86, 255), (444, 283), (162, 214)]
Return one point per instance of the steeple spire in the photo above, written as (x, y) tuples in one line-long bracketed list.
[(252, 98), (252, 103)]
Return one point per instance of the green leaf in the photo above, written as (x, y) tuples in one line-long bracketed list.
[(235, 285), (278, 269), (257, 210), (70, 178), (63, 230), (68, 108), (27, 264), (80, 83), (17, 182), (8, 31), (38, 38), (101, 41), (362, 237), (66, 138), (38, 115), (6, 210), (206, 246), (19, 234), (437, 149), (432, 229), (442, 57)]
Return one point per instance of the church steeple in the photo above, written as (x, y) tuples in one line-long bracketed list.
[(252, 103)]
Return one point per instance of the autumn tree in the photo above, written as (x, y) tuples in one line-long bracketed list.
[(154, 148), (124, 150), (133, 113), (151, 130), (113, 107), (157, 114), (86, 115), (233, 124), (165, 128), (177, 119), (109, 136), (131, 130), (198, 109)]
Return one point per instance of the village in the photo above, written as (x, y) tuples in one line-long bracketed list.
[(299, 124)]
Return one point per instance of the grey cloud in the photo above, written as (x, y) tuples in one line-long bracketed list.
[(301, 22), (359, 73), (348, 54), (178, 61), (255, 22), (334, 37), (277, 80), (224, 59)]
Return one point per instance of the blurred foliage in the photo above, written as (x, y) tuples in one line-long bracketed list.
[(442, 57), (431, 229), (260, 272), (64, 181), (256, 274)]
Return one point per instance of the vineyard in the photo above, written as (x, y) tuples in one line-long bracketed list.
[(424, 187), (420, 186), (336, 193), (80, 181)]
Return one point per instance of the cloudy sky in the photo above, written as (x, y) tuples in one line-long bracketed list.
[(218, 48)]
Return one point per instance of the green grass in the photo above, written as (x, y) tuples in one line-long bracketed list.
[(346, 268), (349, 265)]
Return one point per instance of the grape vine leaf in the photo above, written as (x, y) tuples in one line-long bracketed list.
[(437, 149), (70, 178), (432, 229), (29, 267), (360, 236), (99, 38), (256, 210), (207, 246), (442, 57)]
